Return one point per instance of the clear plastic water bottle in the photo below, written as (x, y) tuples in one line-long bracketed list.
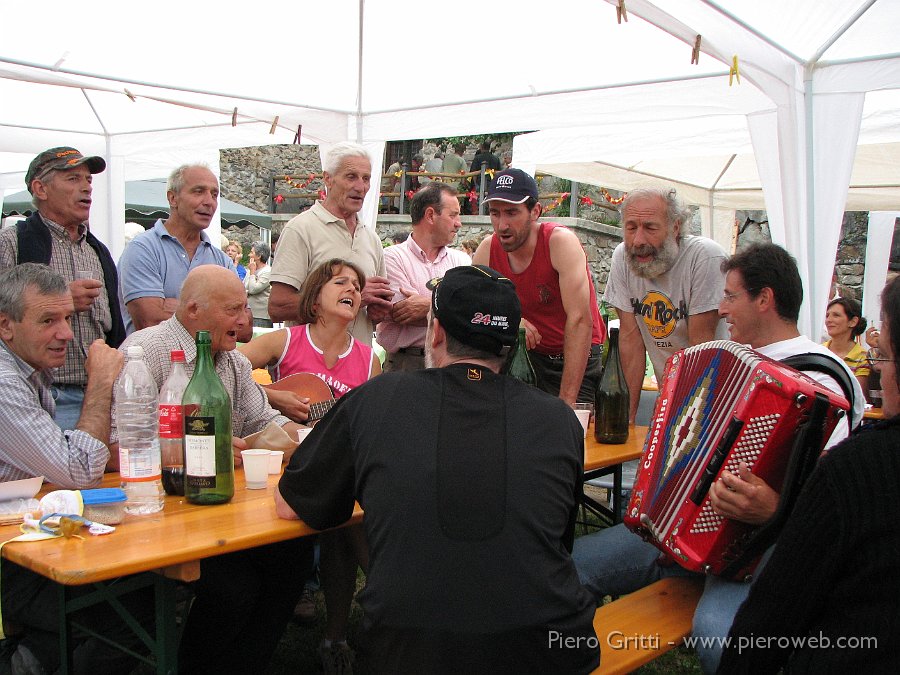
[(137, 401)]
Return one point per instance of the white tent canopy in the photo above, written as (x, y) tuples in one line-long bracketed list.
[(212, 75)]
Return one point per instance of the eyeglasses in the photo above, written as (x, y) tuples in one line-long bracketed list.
[(731, 297), (874, 356)]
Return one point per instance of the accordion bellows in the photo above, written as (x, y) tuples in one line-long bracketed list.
[(720, 403)]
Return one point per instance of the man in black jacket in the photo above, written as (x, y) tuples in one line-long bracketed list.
[(470, 487), (57, 234)]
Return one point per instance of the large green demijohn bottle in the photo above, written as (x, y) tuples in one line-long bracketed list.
[(517, 364), (208, 454), (611, 403)]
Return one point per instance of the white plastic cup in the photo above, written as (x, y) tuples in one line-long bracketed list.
[(584, 416), (275, 459), (583, 411), (256, 468), (302, 433)]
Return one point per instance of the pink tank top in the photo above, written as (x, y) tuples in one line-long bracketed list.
[(538, 289), (302, 356)]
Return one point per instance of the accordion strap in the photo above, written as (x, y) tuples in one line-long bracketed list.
[(828, 366), (803, 457)]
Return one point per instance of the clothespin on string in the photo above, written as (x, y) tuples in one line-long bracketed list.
[(131, 96), (621, 12), (695, 53), (297, 135), (274, 126), (234, 117), (734, 73)]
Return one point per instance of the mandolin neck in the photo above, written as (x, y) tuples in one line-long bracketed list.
[(317, 410)]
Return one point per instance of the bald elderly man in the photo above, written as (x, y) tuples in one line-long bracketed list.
[(245, 625)]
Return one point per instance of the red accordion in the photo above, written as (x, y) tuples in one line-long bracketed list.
[(719, 404)]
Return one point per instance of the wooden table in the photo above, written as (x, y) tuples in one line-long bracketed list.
[(160, 549), (601, 459)]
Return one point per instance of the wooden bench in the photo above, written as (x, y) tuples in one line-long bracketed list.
[(644, 625)]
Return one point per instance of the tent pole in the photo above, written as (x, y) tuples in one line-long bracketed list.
[(359, 72), (810, 194), (840, 31)]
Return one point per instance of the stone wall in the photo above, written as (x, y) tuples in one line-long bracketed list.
[(246, 178), (246, 175)]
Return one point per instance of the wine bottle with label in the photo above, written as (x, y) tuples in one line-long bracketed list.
[(611, 403), (517, 364), (208, 454)]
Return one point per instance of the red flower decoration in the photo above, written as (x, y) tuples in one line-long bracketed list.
[(279, 199), (586, 200), (322, 195), (409, 194), (472, 195)]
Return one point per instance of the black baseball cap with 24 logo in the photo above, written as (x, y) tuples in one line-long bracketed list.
[(477, 306)]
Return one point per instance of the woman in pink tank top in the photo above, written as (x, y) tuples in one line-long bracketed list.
[(322, 345)]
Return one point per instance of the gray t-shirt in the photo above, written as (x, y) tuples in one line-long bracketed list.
[(662, 306)]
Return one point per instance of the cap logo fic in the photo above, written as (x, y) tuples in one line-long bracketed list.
[(62, 154), (504, 181), (72, 161)]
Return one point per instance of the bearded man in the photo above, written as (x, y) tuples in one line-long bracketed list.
[(666, 287)]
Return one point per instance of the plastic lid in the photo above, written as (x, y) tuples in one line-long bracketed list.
[(103, 495), (177, 355), (135, 352)]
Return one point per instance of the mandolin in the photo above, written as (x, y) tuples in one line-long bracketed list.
[(310, 386)]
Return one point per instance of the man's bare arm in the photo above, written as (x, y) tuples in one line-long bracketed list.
[(482, 255), (702, 327), (282, 509), (146, 312), (102, 365), (283, 302), (568, 259), (634, 358)]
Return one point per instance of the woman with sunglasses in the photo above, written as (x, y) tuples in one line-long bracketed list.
[(827, 599)]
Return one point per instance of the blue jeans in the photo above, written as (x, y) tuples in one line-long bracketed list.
[(616, 561), (68, 398)]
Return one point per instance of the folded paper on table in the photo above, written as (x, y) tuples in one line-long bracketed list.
[(273, 437), (17, 498), (20, 489)]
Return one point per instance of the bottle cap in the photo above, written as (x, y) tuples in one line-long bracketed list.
[(177, 355), (135, 352)]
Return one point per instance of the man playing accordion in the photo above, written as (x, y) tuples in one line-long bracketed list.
[(760, 305)]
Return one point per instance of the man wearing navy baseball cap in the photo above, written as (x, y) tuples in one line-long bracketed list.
[(548, 266), (470, 483), (58, 234)]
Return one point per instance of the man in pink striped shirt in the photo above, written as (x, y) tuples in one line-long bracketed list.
[(434, 211)]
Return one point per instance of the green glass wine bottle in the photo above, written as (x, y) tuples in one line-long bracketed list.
[(208, 454), (517, 364), (611, 402)]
